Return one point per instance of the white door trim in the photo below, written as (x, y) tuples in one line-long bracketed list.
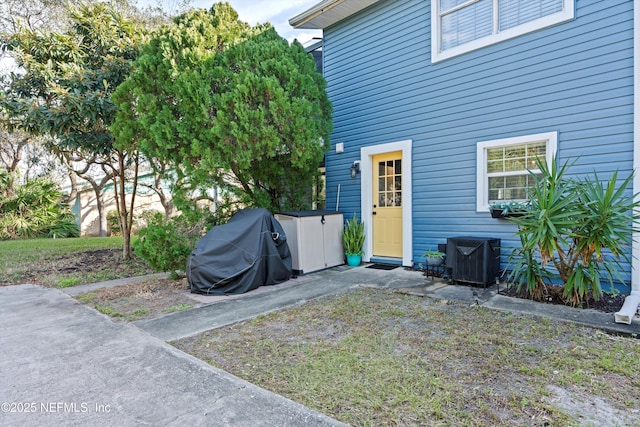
[(635, 263), (366, 197)]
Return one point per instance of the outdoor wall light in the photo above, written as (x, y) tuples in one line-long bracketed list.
[(355, 169)]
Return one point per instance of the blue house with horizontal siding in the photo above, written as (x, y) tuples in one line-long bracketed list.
[(443, 105)]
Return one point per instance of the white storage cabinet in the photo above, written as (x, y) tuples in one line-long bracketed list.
[(314, 238)]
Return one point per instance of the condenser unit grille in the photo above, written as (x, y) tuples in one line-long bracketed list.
[(473, 259)]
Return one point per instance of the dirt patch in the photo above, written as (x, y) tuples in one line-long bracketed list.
[(135, 301), (590, 410), (77, 268)]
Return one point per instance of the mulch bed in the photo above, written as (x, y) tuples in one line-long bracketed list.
[(608, 303)]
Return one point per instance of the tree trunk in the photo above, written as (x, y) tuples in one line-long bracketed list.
[(125, 211), (102, 216), (159, 169), (73, 192)]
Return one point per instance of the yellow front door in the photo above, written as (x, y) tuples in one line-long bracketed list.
[(387, 205)]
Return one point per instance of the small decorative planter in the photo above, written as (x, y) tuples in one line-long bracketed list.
[(496, 213), (354, 260), (506, 210), (434, 261), (500, 213), (434, 258)]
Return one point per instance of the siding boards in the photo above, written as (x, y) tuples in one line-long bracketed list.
[(575, 78)]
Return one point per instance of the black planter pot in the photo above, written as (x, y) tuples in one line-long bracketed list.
[(496, 213), (500, 213)]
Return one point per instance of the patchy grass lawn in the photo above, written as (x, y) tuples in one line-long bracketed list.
[(374, 357), (66, 262)]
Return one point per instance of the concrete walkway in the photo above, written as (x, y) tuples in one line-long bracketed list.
[(62, 363), (183, 324)]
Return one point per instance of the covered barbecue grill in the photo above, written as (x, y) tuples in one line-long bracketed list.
[(247, 252)]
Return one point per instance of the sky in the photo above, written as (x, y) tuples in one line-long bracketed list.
[(277, 12)]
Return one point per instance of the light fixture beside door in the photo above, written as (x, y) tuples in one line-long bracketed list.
[(355, 169)]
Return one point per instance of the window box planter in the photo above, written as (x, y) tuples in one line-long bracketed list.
[(500, 213), (507, 210), (497, 213)]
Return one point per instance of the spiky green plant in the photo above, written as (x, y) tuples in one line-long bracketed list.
[(35, 210), (577, 231), (353, 236)]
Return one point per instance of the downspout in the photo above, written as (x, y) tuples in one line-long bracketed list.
[(631, 302)]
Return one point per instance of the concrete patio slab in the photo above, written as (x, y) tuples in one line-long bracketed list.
[(62, 363), (183, 324)]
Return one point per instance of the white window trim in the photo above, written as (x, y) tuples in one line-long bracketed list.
[(438, 55), (482, 192)]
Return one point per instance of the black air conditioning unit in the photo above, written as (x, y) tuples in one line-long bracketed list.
[(473, 259)]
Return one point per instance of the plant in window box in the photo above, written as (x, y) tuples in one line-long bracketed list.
[(434, 258), (507, 209)]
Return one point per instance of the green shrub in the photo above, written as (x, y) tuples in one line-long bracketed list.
[(165, 246), (65, 225), (113, 223), (34, 210), (576, 231)]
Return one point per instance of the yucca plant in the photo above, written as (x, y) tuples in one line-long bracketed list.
[(353, 236), (577, 232)]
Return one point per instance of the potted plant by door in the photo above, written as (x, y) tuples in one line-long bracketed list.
[(353, 241), (434, 258)]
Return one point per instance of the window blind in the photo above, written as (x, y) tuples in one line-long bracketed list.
[(517, 12), (466, 24)]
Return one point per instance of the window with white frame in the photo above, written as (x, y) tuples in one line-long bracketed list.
[(504, 166), (459, 26)]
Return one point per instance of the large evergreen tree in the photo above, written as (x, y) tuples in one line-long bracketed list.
[(263, 116), (231, 106)]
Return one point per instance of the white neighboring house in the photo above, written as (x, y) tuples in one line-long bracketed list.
[(86, 209)]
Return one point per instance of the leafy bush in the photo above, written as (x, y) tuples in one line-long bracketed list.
[(65, 226), (34, 210), (167, 244), (576, 231)]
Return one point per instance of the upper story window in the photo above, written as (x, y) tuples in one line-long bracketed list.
[(504, 167), (459, 26)]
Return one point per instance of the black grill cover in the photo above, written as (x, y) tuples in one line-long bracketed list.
[(247, 252)]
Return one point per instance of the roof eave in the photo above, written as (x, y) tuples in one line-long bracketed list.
[(328, 12)]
